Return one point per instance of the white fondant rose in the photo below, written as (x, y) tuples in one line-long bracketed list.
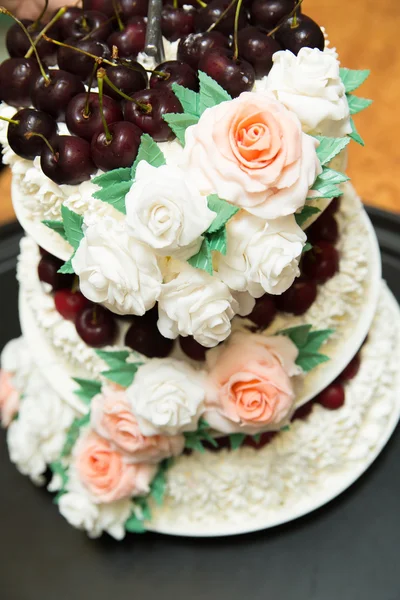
[(195, 303), (116, 270), (166, 211), (167, 397), (252, 152), (262, 256), (309, 84)]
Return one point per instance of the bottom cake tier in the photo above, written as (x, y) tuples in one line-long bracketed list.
[(221, 491)]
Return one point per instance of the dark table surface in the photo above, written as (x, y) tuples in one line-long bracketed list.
[(347, 550)]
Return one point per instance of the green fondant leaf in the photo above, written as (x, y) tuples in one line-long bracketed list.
[(114, 194), (329, 148), (57, 468), (203, 259), (134, 525), (194, 439), (352, 79), (306, 213), (158, 486), (223, 209), (354, 135), (257, 437), (73, 226), (113, 177), (57, 226), (179, 122), (317, 338), (189, 99), (308, 343), (114, 359), (357, 104), (148, 151), (73, 433), (67, 267), (308, 361), (298, 334), (211, 93), (217, 240), (306, 248), (144, 507), (123, 375), (236, 440), (326, 183), (285, 428), (88, 388)]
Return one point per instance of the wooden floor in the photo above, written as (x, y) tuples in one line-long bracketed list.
[(366, 33)]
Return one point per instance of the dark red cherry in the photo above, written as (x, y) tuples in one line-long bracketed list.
[(211, 13), (18, 43), (131, 40), (192, 348), (128, 79), (192, 48), (263, 312), (69, 303), (86, 125), (66, 22), (54, 98), (258, 49), (30, 121), (144, 337), (321, 262), (90, 23), (118, 152), (71, 163), (159, 102), (77, 63), (176, 22), (332, 397), (177, 72), (16, 78), (333, 206), (298, 298), (303, 411), (267, 13), (302, 33), (234, 75), (134, 8), (351, 370), (264, 440), (324, 228), (104, 6), (96, 326), (48, 273)]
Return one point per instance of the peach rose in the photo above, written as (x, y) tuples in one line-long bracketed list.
[(252, 152), (9, 398), (112, 418), (249, 384), (106, 474)]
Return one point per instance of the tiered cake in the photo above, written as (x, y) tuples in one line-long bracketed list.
[(207, 344)]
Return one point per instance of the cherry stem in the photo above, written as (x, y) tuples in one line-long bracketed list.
[(236, 30), (116, 11), (11, 121), (96, 29), (175, 4), (4, 11), (97, 59), (46, 141), (86, 110), (202, 4), (221, 16), (293, 12), (45, 29), (144, 107), (101, 74), (34, 25)]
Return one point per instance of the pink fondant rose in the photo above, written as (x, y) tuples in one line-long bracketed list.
[(249, 385), (112, 418), (106, 474), (251, 151), (9, 398)]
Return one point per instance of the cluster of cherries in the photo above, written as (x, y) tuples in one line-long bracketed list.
[(97, 45)]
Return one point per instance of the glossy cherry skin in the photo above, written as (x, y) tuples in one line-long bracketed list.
[(257, 48), (324, 228), (77, 63), (298, 298), (144, 337), (92, 24), (16, 78), (96, 326), (178, 72), (267, 13), (67, 21), (192, 348), (303, 411), (30, 121), (134, 8), (72, 162), (48, 273), (235, 76), (208, 15), (121, 151), (321, 262), (192, 48), (160, 102), (131, 40), (69, 303), (18, 43), (86, 126), (263, 312), (54, 98), (104, 6), (126, 79), (307, 34), (332, 397), (176, 22), (351, 370)]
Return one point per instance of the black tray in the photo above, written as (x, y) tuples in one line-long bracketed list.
[(347, 550)]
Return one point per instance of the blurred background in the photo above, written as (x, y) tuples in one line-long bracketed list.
[(366, 34)]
